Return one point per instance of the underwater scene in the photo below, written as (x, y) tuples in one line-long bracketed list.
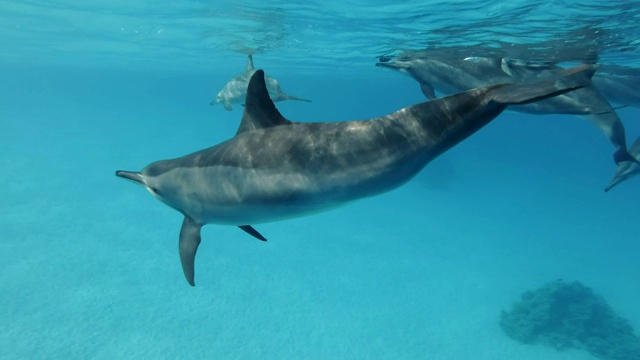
[(360, 180)]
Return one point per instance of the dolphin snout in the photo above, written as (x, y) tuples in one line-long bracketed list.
[(136, 177), (386, 64), (397, 65)]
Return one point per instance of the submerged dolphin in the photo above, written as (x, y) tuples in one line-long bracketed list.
[(235, 91), (451, 75), (627, 169), (620, 90), (618, 84), (275, 169)]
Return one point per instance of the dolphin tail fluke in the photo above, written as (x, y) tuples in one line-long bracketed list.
[(524, 93), (621, 155), (189, 241)]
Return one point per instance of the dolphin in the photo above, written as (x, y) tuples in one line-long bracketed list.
[(619, 90), (627, 169), (618, 84), (450, 75), (235, 91), (276, 169)]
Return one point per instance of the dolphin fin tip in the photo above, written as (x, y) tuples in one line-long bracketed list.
[(253, 232)]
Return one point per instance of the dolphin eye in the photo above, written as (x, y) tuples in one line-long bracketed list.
[(155, 190)]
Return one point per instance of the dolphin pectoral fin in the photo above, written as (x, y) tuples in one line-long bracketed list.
[(188, 245), (504, 65), (227, 106), (428, 91), (253, 232)]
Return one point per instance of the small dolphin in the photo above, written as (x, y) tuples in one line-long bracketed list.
[(627, 169), (235, 91), (451, 75), (276, 169)]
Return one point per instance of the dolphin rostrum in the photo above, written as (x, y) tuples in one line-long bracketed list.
[(451, 75), (275, 169), (627, 169), (235, 91)]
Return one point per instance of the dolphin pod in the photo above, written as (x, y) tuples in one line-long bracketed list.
[(453, 74), (276, 169)]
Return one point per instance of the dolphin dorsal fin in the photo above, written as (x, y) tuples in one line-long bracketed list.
[(249, 66), (259, 110)]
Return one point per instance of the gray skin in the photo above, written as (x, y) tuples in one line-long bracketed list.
[(620, 90), (619, 85), (235, 91), (275, 169), (627, 169), (451, 75)]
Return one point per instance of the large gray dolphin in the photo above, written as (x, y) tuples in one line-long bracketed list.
[(627, 169), (235, 91), (275, 169), (454, 74)]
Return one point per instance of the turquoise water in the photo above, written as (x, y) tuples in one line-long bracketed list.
[(89, 262)]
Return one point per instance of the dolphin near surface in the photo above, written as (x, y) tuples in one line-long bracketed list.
[(276, 169), (627, 169), (618, 84), (620, 90), (235, 91), (450, 75)]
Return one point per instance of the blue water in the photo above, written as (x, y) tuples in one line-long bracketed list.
[(89, 263)]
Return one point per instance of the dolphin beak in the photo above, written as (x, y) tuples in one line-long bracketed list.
[(391, 65), (135, 177)]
